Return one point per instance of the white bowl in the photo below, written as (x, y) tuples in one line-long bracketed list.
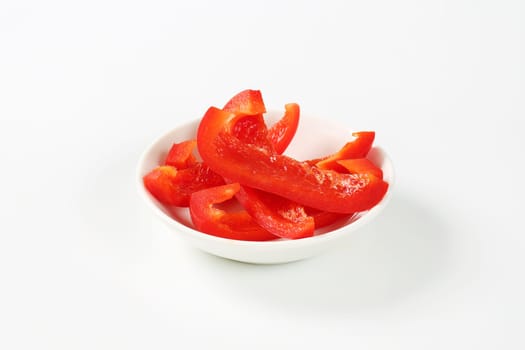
[(314, 138)]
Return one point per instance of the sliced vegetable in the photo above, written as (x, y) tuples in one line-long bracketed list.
[(211, 220), (251, 129), (357, 148), (325, 218), (282, 132), (181, 154), (278, 215), (174, 187), (246, 102), (243, 161), (361, 166), (298, 181)]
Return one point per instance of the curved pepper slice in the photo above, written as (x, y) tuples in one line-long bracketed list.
[(181, 155), (278, 215), (217, 222), (361, 166), (279, 135), (174, 187), (298, 181), (282, 132), (325, 218), (246, 102), (357, 148), (251, 129)]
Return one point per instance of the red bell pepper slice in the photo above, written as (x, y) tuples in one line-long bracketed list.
[(181, 154), (214, 221), (357, 148), (250, 102), (361, 166), (278, 215), (251, 129), (174, 187), (282, 132), (298, 181), (246, 102), (325, 218)]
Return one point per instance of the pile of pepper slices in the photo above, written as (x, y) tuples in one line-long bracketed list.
[(243, 160)]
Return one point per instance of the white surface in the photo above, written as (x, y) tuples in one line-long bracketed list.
[(276, 251), (85, 87)]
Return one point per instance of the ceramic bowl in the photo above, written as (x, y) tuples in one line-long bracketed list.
[(315, 137)]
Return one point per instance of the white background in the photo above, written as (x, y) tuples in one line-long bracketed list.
[(86, 86)]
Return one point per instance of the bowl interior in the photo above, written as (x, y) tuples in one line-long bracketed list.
[(314, 138)]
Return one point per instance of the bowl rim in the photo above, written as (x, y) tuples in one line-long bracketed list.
[(153, 204)]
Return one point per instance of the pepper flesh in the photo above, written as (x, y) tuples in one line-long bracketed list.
[(360, 166), (171, 186), (279, 135), (246, 102), (181, 155), (233, 225), (325, 218), (357, 148), (278, 215), (282, 132), (298, 181)]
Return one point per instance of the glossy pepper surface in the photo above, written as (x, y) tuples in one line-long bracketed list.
[(298, 181)]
